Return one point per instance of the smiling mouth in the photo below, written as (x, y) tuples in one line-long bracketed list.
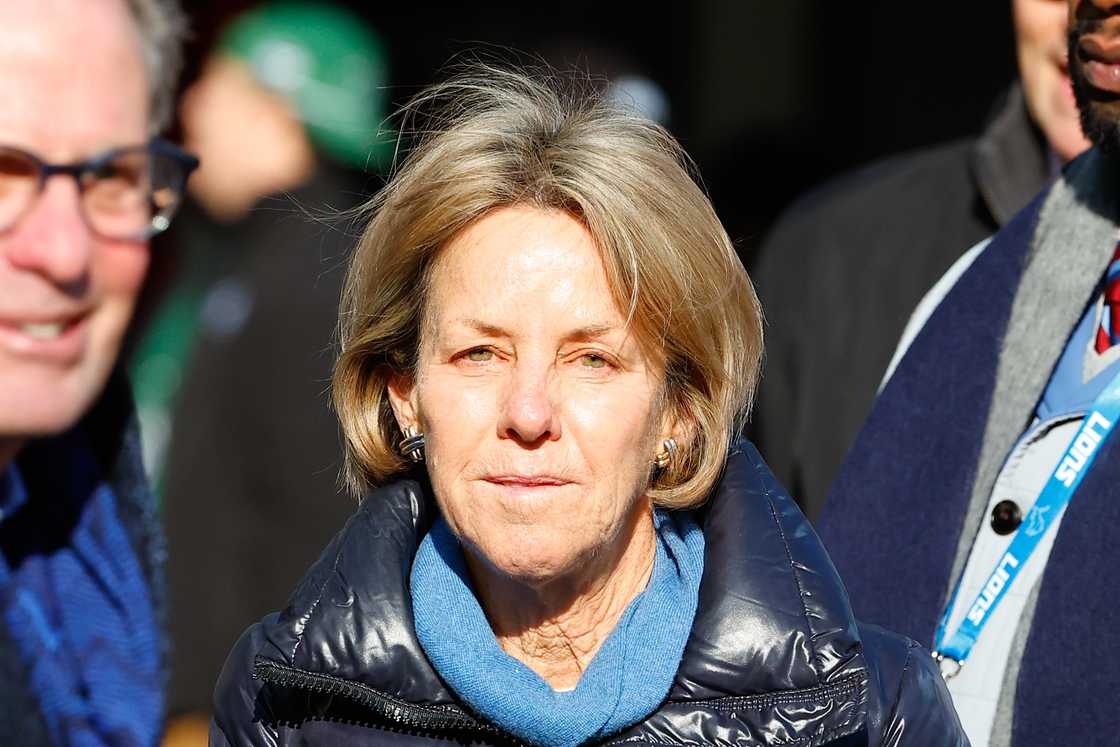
[(44, 329), (60, 339), (1099, 60)]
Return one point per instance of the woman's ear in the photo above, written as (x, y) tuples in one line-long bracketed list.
[(678, 424), (402, 398)]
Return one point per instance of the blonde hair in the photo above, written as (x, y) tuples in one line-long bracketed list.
[(495, 137)]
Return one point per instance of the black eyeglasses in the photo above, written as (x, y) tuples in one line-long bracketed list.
[(126, 193)]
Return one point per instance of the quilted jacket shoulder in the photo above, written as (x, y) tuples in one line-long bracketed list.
[(774, 657)]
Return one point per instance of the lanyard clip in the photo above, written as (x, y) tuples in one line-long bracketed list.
[(949, 666)]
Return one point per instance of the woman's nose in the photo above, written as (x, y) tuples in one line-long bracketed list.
[(529, 413)]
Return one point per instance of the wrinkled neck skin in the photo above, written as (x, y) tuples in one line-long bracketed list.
[(556, 627), (9, 447)]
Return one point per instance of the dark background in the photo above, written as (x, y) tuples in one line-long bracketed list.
[(770, 97)]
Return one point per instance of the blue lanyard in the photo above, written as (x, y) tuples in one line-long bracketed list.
[(1055, 496)]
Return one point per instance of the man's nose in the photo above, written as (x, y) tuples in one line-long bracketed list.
[(52, 238), (529, 413)]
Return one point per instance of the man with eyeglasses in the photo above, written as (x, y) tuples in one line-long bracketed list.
[(83, 186)]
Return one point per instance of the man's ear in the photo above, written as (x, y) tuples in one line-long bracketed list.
[(402, 398)]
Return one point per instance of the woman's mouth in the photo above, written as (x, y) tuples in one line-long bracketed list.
[(522, 492), (527, 481)]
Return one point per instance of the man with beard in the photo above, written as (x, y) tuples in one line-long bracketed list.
[(850, 261), (977, 511)]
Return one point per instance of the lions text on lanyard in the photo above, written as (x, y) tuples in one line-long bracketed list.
[(1078, 455), (991, 590), (1083, 447)]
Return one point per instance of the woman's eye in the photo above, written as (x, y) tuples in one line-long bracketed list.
[(480, 355), (593, 361)]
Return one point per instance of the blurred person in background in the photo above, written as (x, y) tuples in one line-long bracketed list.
[(845, 266), (232, 371), (281, 108), (977, 511), (83, 186)]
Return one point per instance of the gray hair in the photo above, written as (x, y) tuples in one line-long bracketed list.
[(162, 26)]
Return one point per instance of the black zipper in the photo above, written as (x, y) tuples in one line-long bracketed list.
[(450, 721), (850, 684), (436, 721)]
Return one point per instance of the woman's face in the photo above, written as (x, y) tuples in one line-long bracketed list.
[(541, 412)]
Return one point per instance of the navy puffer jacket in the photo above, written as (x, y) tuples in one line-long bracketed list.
[(774, 657)]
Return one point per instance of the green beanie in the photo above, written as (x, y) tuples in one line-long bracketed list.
[(329, 64)]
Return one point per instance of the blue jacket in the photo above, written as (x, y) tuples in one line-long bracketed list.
[(774, 656), (111, 426)]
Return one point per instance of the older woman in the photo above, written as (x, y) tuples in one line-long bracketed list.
[(547, 345)]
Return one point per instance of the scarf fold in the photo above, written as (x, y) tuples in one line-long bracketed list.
[(74, 598), (628, 678)]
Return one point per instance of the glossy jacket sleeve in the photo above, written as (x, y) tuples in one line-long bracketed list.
[(915, 709), (238, 700)]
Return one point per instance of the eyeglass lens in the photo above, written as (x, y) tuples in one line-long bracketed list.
[(128, 194), (19, 182), (115, 195)]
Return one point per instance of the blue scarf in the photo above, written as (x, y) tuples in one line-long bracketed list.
[(625, 682), (74, 598)]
